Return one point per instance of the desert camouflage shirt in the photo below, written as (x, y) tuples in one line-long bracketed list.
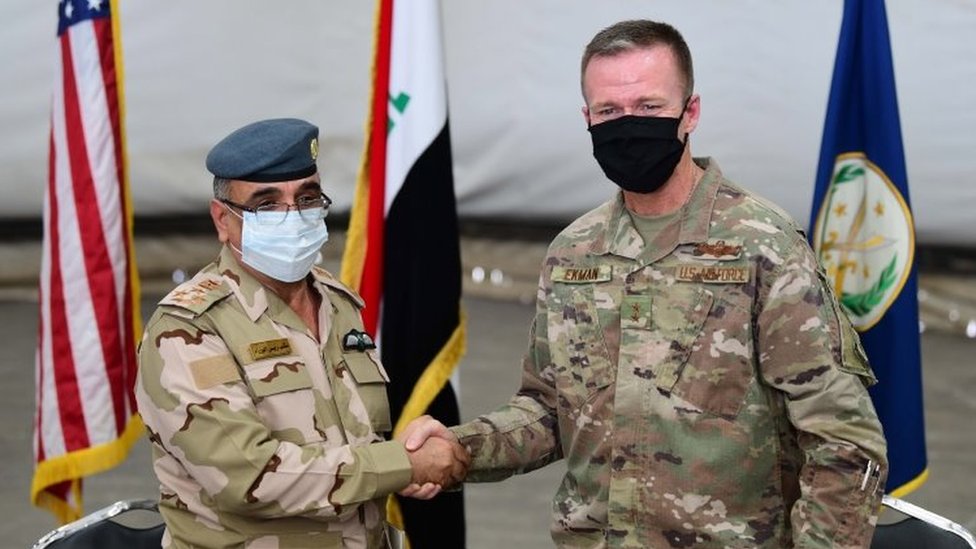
[(704, 388), (263, 433)]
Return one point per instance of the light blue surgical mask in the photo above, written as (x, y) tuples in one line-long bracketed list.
[(285, 245)]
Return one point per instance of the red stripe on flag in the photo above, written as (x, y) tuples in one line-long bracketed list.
[(39, 453), (106, 55), (371, 288), (98, 263), (128, 336)]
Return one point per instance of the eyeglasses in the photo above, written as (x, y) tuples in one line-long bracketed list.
[(310, 208)]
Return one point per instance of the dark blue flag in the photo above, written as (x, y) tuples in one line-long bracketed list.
[(864, 234)]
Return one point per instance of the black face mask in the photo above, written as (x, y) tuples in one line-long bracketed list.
[(638, 153)]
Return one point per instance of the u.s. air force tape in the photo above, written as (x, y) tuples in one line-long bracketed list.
[(713, 274)]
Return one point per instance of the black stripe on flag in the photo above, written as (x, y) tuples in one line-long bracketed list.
[(421, 309)]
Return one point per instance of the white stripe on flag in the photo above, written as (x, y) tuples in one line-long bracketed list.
[(417, 70)]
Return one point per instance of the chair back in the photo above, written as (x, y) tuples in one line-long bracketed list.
[(922, 529), (100, 530)]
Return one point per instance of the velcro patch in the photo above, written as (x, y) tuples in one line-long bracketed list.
[(635, 312), (712, 274), (269, 349), (212, 371), (582, 275)]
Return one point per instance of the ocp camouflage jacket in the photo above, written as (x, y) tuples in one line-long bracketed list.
[(704, 388)]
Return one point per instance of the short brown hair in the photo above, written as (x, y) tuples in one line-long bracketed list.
[(636, 34)]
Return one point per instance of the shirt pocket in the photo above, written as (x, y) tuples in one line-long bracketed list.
[(371, 380), (709, 361), (284, 398), (577, 347)]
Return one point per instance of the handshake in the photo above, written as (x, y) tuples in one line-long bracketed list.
[(436, 457)]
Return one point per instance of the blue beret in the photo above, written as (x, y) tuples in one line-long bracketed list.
[(281, 149)]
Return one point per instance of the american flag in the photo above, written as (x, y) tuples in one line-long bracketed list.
[(85, 364)]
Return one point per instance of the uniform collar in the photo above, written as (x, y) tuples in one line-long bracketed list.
[(254, 298), (325, 281), (622, 238)]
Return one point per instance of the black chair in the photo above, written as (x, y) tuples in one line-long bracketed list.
[(98, 530), (921, 529)]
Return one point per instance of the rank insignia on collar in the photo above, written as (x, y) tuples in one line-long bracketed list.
[(356, 340)]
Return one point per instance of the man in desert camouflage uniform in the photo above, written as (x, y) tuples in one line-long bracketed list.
[(687, 358), (264, 399)]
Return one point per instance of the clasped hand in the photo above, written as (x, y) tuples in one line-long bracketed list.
[(436, 457)]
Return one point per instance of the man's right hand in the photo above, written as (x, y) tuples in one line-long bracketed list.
[(436, 458), (439, 461), (420, 429)]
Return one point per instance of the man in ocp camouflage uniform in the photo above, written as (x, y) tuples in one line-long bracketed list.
[(687, 359), (264, 399)]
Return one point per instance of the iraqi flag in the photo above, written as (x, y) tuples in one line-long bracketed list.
[(864, 234), (89, 319), (402, 252)]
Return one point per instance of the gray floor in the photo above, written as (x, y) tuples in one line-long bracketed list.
[(514, 513)]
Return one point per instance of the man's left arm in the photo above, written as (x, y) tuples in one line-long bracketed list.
[(808, 350)]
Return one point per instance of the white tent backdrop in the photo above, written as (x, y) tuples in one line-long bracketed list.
[(196, 70)]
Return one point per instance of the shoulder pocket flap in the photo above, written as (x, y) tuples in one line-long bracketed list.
[(363, 369), (854, 360), (279, 376), (197, 295)]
